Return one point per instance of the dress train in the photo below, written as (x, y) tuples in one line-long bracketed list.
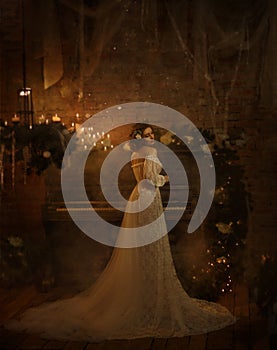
[(137, 295)]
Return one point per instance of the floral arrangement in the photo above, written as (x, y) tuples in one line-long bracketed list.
[(137, 134), (25, 261), (226, 224), (37, 148)]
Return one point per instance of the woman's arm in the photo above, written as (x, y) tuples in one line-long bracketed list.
[(151, 171)]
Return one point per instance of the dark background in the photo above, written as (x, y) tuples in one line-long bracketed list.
[(214, 61)]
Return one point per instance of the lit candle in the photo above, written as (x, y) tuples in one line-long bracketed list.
[(15, 119), (107, 142), (56, 119), (46, 121), (6, 123), (41, 119)]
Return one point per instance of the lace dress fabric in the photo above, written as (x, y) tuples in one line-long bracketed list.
[(137, 295)]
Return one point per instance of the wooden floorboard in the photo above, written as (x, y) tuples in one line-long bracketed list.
[(159, 344), (76, 345), (10, 340), (198, 342), (110, 345), (178, 343), (141, 344), (250, 332), (16, 302), (54, 345), (221, 340), (32, 342)]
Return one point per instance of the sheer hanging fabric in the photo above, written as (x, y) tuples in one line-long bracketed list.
[(137, 295)]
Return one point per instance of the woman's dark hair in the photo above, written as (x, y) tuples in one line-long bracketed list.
[(138, 130)]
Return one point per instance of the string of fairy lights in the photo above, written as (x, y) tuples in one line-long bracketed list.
[(225, 227), (86, 139)]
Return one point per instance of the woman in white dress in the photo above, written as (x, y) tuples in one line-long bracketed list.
[(138, 294)]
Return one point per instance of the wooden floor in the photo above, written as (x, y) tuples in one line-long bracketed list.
[(249, 333)]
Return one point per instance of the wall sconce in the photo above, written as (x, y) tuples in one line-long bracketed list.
[(25, 110)]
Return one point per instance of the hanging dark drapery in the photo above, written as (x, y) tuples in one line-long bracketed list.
[(43, 39), (96, 27), (209, 33)]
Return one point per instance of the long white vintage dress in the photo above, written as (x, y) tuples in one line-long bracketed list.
[(137, 295)]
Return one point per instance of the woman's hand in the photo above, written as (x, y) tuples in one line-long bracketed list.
[(166, 178)]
